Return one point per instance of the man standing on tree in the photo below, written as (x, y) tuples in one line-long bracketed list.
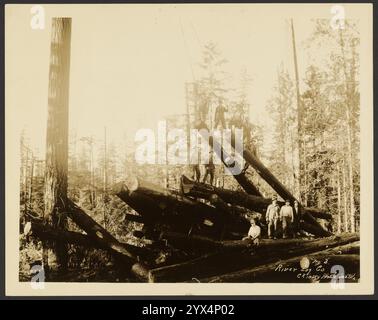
[(210, 169), (219, 115), (196, 173), (272, 217), (287, 217), (203, 107)]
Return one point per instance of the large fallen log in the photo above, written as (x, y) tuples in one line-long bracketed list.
[(233, 260), (144, 205), (255, 203), (47, 233), (134, 218), (102, 236), (189, 242), (231, 222), (310, 267), (170, 207)]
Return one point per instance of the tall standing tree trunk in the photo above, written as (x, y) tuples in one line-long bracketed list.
[(345, 196), (301, 168), (105, 199), (348, 98), (55, 197), (338, 200), (25, 181), (30, 199)]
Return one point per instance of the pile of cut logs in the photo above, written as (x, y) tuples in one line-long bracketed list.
[(194, 233), (206, 224)]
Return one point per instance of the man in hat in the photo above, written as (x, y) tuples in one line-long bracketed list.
[(210, 168), (272, 217), (287, 218), (219, 115)]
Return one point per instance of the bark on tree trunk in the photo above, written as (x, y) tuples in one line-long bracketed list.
[(338, 200), (30, 200), (349, 134), (55, 255), (346, 209), (301, 154)]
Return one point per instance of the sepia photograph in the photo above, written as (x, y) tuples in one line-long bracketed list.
[(189, 145)]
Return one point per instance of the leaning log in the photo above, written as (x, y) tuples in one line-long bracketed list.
[(308, 226), (243, 181), (99, 234), (315, 267), (263, 171), (233, 260), (46, 233), (318, 213)]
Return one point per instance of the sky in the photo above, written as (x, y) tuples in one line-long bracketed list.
[(130, 63)]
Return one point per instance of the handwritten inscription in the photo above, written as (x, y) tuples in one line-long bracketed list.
[(315, 271)]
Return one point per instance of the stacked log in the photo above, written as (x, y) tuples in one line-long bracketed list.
[(162, 206), (276, 185), (227, 261), (303, 267), (251, 202)]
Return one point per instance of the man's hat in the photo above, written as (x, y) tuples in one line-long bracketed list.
[(287, 200)]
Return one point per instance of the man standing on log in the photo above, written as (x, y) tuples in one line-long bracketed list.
[(210, 169), (203, 107), (272, 217), (219, 115), (287, 218), (196, 168)]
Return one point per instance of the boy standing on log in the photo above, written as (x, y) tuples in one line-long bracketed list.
[(272, 217), (287, 218)]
